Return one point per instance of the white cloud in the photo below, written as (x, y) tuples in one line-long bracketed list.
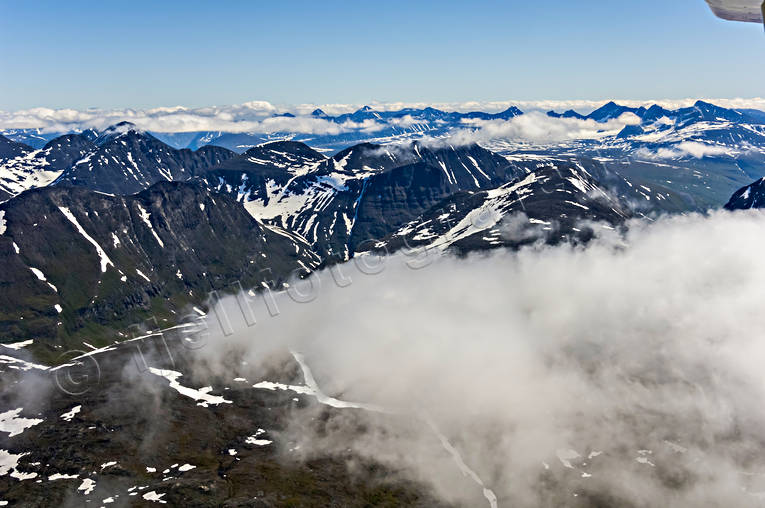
[(537, 127), (406, 121), (646, 346), (250, 117), (684, 149), (246, 117)]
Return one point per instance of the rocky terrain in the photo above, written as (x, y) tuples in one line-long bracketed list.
[(126, 427), (81, 265)]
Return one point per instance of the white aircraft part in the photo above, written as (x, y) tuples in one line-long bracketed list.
[(738, 10)]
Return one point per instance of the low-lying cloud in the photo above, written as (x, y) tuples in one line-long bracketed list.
[(537, 127), (685, 149), (627, 372), (249, 116), (252, 118)]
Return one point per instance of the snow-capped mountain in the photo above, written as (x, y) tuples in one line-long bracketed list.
[(120, 160), (261, 168), (34, 138), (556, 202), (699, 154), (326, 209), (80, 267), (73, 257), (363, 125), (127, 160), (364, 192), (750, 196), (22, 167)]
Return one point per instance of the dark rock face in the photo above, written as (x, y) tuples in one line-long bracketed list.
[(108, 261), (120, 160), (366, 191), (65, 151), (127, 161), (10, 149), (556, 203), (247, 176), (116, 259), (397, 196), (751, 196)]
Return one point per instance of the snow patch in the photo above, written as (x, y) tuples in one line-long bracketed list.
[(153, 496), (8, 461), (18, 345), (15, 363), (105, 261), (70, 414), (87, 486), (202, 394), (146, 218), (13, 424), (59, 476)]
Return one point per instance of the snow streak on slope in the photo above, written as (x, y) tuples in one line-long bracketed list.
[(203, 395), (146, 218), (105, 261)]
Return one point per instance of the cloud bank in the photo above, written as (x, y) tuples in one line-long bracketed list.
[(626, 373), (685, 149), (258, 116), (537, 127)]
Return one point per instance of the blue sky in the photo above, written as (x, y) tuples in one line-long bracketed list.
[(193, 53)]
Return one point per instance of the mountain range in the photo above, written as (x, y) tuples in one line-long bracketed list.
[(100, 229), (107, 237), (699, 154)]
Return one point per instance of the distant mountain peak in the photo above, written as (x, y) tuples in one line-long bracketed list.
[(511, 111), (117, 130), (124, 126), (611, 110)]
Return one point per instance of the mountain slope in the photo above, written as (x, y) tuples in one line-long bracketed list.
[(10, 149), (25, 168), (79, 262), (750, 196), (557, 202), (128, 160), (126, 435), (701, 153), (250, 175), (397, 196), (364, 190)]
